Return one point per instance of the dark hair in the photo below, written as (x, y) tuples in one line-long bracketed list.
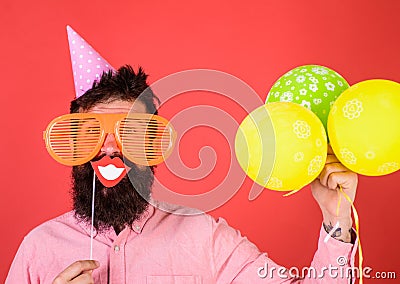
[(123, 84)]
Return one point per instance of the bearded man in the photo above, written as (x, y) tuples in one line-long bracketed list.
[(136, 242)]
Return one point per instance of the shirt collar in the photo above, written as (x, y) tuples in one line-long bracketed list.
[(138, 225)]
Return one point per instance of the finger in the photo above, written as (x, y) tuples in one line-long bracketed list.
[(330, 150), (319, 185), (331, 159), (85, 278), (77, 268), (337, 179), (328, 170)]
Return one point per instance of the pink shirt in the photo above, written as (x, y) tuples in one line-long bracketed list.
[(162, 248)]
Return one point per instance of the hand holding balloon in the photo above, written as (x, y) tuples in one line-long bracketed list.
[(325, 190)]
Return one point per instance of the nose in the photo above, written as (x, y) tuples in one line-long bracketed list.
[(110, 146)]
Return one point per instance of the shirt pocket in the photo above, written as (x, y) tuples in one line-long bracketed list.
[(174, 279)]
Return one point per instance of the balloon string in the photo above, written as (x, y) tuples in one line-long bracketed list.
[(92, 222), (357, 222), (291, 192), (339, 202)]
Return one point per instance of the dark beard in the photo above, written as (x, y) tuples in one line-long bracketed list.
[(116, 206)]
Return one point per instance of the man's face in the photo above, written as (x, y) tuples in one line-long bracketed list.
[(122, 202), (110, 145), (111, 171)]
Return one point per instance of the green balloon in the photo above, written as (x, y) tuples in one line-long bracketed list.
[(312, 86)]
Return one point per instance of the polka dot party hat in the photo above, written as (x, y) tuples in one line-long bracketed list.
[(87, 64)]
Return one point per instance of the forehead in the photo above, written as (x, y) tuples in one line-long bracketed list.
[(119, 107)]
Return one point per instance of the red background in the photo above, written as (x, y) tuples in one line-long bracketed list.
[(256, 41)]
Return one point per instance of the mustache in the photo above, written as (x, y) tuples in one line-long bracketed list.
[(102, 155), (115, 155)]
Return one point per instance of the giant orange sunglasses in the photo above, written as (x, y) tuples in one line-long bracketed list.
[(144, 139)]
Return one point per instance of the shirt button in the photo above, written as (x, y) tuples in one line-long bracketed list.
[(137, 228), (116, 248)]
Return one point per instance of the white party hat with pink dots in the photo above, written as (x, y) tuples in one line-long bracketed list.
[(87, 64)]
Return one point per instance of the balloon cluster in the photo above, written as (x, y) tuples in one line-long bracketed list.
[(282, 145)]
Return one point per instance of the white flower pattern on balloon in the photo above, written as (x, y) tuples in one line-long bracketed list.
[(306, 104), (286, 97), (288, 73), (370, 155), (315, 165), (300, 79), (274, 183), (303, 92), (313, 87), (388, 167), (319, 70), (288, 82), (314, 80), (348, 156), (317, 101), (340, 83), (299, 156), (302, 129), (330, 86), (352, 109)]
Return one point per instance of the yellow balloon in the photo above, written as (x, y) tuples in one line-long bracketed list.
[(364, 127), (281, 146)]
